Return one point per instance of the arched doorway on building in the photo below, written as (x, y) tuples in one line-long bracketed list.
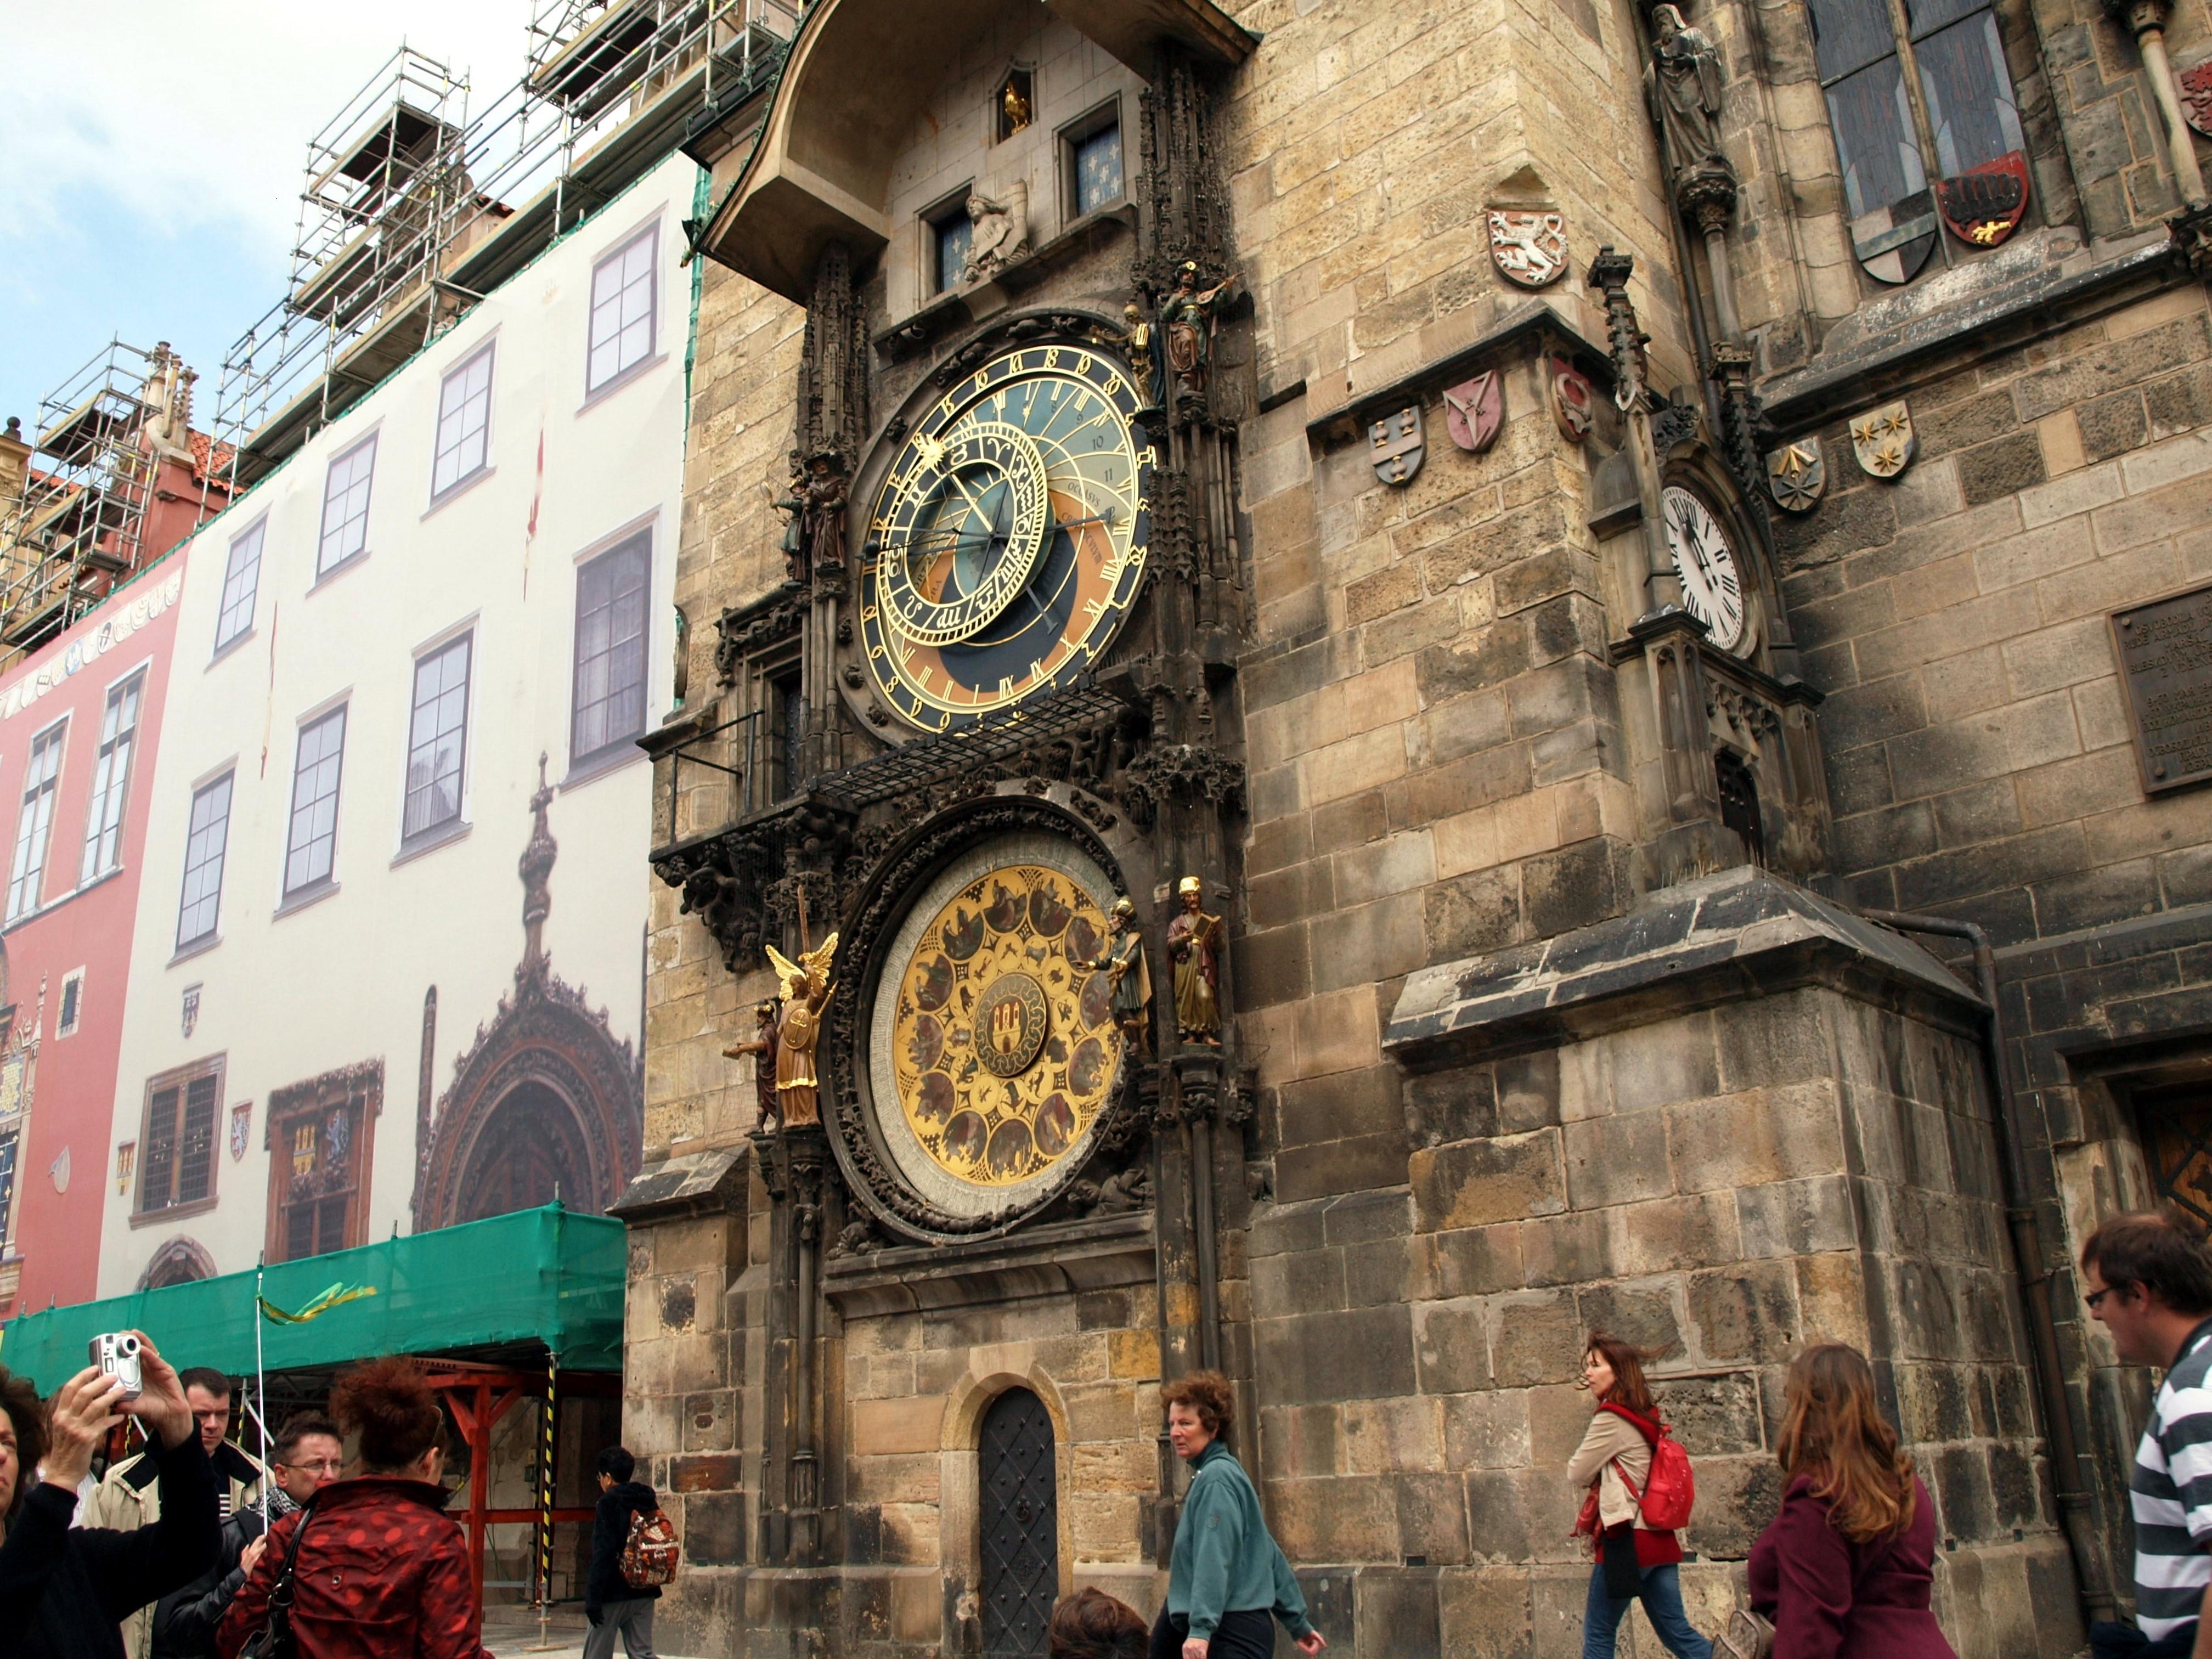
[(1019, 1488)]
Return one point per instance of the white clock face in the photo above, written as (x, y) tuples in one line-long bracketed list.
[(1712, 581)]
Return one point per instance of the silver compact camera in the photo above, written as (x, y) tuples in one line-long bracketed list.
[(117, 1355)]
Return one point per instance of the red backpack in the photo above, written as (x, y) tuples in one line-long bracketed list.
[(650, 1554), (1671, 1491)]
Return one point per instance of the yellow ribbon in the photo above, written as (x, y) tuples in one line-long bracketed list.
[(332, 1298)]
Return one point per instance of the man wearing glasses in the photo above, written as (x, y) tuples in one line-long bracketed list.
[(2148, 1281), (308, 1455)]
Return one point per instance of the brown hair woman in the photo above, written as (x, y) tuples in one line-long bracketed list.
[(1846, 1568), (1614, 1465), (382, 1571)]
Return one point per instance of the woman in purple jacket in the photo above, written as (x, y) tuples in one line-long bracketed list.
[(1844, 1570)]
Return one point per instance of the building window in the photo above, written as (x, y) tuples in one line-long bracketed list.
[(319, 1137), (1094, 157), (345, 506), (205, 838), (311, 847), (464, 425), (8, 1143), (786, 729), (437, 738), (1932, 99), (34, 829), (622, 304), (610, 676), (951, 233), (176, 1148), (111, 778), (241, 580), (71, 1013)]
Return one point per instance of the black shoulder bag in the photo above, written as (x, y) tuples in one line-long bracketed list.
[(274, 1640)]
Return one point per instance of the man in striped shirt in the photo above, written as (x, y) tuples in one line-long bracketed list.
[(2148, 1281)]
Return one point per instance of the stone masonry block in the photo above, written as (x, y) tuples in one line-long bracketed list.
[(1617, 1160), (1796, 1217), (1471, 1183)]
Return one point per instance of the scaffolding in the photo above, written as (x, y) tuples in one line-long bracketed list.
[(77, 521), (412, 212)]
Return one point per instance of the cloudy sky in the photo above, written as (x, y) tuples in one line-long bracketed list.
[(151, 156)]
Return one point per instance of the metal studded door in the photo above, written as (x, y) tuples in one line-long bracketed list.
[(1019, 1489)]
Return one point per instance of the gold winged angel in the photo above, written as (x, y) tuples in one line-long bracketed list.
[(806, 992)]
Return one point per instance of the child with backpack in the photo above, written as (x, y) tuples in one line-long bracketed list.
[(634, 1553), (1639, 1492)]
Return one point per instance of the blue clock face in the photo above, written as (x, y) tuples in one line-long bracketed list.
[(1007, 542)]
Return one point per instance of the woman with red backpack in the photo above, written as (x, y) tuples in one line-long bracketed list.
[(1638, 1480)]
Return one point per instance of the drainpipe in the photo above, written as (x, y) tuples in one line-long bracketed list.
[(2075, 1502)]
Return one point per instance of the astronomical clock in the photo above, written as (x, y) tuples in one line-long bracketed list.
[(1006, 541)]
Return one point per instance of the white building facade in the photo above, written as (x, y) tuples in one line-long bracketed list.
[(389, 956)]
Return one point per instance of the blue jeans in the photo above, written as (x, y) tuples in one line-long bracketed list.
[(1662, 1606)]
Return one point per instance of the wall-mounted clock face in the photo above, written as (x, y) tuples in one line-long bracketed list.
[(1713, 580), (1007, 540), (993, 1052)]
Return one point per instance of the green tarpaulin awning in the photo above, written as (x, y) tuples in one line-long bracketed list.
[(546, 1275)]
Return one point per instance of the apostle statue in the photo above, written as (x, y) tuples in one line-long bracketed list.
[(806, 987), (814, 503), (998, 233), (1194, 948), (1683, 86), (762, 1050), (1187, 316), (1124, 964)]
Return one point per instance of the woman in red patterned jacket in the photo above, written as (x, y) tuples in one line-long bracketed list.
[(383, 1572)]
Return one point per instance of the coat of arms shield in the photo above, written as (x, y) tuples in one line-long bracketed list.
[(1883, 440), (1396, 445), (1893, 242), (1529, 247), (1572, 401), (1984, 205), (1475, 411), (241, 1129), (1796, 474), (2196, 97)]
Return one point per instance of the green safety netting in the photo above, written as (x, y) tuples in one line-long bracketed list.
[(548, 1275)]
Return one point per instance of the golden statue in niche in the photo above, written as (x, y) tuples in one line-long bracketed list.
[(1014, 111)]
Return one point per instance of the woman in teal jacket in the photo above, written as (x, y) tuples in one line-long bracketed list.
[(1228, 1579)]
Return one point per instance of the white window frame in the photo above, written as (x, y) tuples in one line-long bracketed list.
[(615, 750), (35, 818), (325, 566), (596, 385), (234, 578), (68, 1020), (463, 634), (105, 813), (486, 355), (226, 774), (315, 886)]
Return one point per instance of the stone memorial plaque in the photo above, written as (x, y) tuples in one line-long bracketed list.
[(2165, 658)]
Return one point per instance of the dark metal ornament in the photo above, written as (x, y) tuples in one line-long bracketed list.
[(1397, 445), (1984, 205), (1796, 474), (1475, 411), (1019, 1489)]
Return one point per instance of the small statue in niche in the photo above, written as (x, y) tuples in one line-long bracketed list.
[(806, 988), (1683, 86), (1125, 969), (1187, 316), (683, 683), (1143, 340), (814, 533), (1194, 947), (1013, 108), (1000, 233), (762, 1050)]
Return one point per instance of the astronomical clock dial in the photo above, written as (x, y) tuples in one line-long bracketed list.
[(1712, 581), (1006, 542), (994, 1052)]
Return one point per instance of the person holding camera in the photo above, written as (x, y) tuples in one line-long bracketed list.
[(65, 1592)]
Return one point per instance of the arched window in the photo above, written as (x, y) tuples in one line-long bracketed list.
[(1917, 90)]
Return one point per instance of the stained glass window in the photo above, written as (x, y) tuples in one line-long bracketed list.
[(1098, 170)]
